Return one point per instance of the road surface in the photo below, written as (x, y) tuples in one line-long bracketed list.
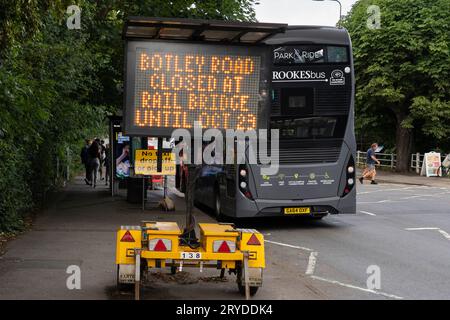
[(400, 232)]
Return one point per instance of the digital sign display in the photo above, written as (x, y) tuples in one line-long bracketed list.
[(171, 86)]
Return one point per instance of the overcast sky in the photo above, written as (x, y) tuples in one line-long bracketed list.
[(301, 12)]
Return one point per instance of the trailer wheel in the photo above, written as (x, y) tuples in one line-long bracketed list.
[(173, 270), (123, 286), (241, 287), (253, 290)]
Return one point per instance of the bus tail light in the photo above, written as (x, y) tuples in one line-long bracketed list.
[(350, 176), (160, 245), (243, 182), (224, 246)]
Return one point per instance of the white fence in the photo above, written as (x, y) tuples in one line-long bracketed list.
[(416, 162), (389, 160)]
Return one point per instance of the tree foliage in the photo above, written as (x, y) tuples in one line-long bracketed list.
[(57, 85), (402, 71)]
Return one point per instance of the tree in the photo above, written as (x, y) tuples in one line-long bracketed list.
[(402, 69), (57, 85)]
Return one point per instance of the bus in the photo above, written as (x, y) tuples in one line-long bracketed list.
[(312, 106)]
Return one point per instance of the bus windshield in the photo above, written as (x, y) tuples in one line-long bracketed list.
[(310, 128)]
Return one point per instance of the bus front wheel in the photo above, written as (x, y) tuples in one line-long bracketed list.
[(218, 205)]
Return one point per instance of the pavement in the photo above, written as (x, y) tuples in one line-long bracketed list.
[(401, 233)]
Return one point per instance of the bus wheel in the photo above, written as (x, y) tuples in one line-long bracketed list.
[(218, 206)]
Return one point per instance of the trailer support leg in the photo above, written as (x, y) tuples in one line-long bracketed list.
[(246, 279), (181, 266), (137, 276)]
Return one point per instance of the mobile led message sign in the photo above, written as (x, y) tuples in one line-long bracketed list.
[(171, 85)]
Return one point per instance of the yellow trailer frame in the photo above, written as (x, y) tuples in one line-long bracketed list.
[(160, 244)]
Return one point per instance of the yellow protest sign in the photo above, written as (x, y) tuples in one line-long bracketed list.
[(145, 163)]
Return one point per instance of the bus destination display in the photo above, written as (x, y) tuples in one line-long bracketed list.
[(172, 89)]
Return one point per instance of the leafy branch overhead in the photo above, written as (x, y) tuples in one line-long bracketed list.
[(58, 85)]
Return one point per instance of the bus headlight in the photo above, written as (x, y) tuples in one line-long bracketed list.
[(243, 173), (351, 169), (350, 181), (243, 184)]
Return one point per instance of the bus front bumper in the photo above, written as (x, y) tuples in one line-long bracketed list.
[(318, 207)]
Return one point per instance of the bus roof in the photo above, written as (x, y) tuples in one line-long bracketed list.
[(310, 35)]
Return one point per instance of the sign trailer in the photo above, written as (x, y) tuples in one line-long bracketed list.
[(181, 71)]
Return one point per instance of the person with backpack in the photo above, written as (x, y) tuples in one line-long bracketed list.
[(94, 161)]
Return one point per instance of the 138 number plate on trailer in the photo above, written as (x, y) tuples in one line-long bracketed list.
[(190, 255)]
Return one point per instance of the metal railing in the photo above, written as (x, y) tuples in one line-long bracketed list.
[(387, 160)]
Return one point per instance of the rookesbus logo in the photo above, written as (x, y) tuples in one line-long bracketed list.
[(337, 78), (298, 75)]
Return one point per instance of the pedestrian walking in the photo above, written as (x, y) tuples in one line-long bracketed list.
[(369, 172), (85, 161), (94, 161)]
